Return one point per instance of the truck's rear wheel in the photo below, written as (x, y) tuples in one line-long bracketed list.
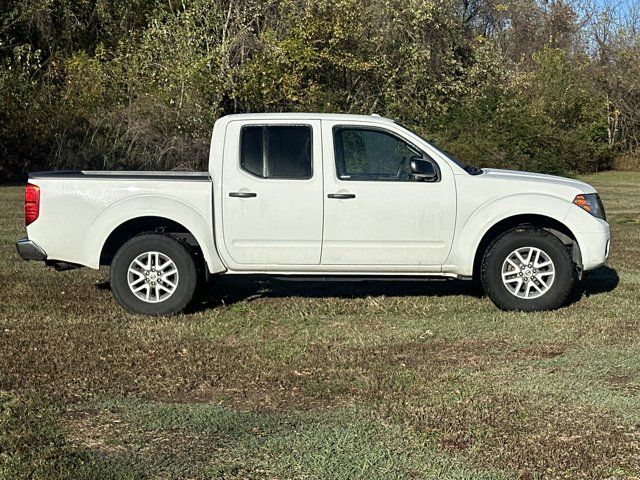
[(153, 274), (528, 270)]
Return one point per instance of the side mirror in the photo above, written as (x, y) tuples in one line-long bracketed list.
[(423, 169)]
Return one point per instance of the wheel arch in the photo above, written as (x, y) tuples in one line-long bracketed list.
[(145, 224), (152, 212), (551, 225)]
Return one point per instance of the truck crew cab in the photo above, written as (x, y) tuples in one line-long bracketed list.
[(318, 195)]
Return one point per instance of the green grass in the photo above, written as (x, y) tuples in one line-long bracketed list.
[(267, 379)]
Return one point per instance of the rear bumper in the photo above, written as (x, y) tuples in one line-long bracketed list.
[(30, 250)]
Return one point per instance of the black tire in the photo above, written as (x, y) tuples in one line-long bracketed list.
[(172, 248), (496, 255)]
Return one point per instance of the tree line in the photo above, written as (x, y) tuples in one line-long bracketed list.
[(541, 85)]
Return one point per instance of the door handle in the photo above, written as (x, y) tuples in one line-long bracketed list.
[(243, 194), (342, 196)]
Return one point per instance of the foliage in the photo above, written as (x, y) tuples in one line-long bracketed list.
[(547, 120), (113, 84)]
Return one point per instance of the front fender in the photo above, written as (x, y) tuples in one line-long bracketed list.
[(150, 205), (473, 227)]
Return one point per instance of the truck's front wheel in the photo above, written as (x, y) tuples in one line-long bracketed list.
[(528, 270), (153, 274)]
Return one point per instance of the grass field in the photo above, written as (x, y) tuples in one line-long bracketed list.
[(267, 379)]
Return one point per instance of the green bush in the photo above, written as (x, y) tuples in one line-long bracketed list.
[(138, 85)]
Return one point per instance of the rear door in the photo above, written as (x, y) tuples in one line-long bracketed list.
[(272, 193), (375, 212)]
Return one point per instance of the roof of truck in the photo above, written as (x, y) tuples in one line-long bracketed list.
[(307, 116)]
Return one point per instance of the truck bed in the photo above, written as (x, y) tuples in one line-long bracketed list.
[(79, 209)]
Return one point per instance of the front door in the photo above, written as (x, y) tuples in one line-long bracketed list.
[(375, 212), (272, 193)]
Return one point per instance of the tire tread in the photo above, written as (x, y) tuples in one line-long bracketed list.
[(491, 286), (154, 309)]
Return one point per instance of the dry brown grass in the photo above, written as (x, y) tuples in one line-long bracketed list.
[(267, 379)]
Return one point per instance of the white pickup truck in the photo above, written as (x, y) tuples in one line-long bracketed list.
[(318, 195)]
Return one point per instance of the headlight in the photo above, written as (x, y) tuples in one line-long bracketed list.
[(591, 203)]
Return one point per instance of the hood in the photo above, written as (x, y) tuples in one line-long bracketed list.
[(538, 178)]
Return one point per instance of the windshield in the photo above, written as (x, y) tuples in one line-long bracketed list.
[(470, 169)]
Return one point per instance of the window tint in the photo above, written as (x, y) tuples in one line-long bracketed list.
[(276, 151), (367, 154), (252, 149)]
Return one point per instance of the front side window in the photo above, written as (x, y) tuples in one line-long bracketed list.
[(276, 151), (371, 154)]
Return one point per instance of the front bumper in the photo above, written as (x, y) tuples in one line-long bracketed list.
[(30, 250), (595, 247)]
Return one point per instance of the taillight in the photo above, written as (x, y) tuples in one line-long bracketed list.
[(31, 203)]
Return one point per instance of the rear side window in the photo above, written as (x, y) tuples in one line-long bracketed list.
[(276, 151)]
